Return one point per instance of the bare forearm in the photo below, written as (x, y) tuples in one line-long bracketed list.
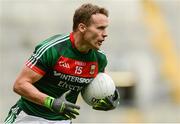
[(24, 86), (28, 91)]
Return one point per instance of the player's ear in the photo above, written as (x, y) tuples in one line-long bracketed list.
[(82, 27)]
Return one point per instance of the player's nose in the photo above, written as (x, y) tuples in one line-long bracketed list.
[(104, 33)]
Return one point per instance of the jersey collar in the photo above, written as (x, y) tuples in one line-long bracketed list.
[(72, 40)]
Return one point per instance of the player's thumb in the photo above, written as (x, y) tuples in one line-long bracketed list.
[(67, 93)]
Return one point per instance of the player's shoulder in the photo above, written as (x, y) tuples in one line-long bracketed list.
[(100, 54), (101, 59), (53, 41)]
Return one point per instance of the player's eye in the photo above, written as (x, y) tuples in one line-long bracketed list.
[(101, 28)]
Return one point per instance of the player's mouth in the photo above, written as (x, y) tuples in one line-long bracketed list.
[(100, 42)]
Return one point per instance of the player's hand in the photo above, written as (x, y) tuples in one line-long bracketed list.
[(108, 103), (62, 106)]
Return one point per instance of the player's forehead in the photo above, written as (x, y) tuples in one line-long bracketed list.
[(99, 19)]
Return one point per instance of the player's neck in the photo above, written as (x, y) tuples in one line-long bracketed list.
[(79, 43)]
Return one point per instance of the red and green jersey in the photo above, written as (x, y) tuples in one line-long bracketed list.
[(63, 68)]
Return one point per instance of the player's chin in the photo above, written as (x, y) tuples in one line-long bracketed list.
[(97, 46)]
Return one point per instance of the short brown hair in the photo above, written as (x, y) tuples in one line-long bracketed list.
[(84, 12)]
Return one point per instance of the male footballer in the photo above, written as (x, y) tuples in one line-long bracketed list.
[(59, 68)]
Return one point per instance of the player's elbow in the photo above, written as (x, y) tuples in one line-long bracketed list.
[(17, 87)]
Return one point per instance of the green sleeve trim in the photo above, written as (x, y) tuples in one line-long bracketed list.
[(48, 102)]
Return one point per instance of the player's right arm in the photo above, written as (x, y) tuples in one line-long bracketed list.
[(34, 70), (24, 86)]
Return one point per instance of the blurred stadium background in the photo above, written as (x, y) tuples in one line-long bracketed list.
[(143, 50)]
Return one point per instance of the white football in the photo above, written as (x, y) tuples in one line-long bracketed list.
[(101, 87)]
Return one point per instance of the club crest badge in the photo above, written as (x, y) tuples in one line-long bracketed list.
[(92, 69)]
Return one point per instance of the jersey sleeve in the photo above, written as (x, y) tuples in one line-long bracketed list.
[(42, 59), (102, 62)]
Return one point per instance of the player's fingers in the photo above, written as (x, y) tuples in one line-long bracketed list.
[(105, 102), (70, 115), (100, 104), (71, 110), (108, 100), (66, 93), (100, 108), (72, 105), (67, 116)]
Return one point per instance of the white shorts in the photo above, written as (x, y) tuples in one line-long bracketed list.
[(28, 119), (18, 116)]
